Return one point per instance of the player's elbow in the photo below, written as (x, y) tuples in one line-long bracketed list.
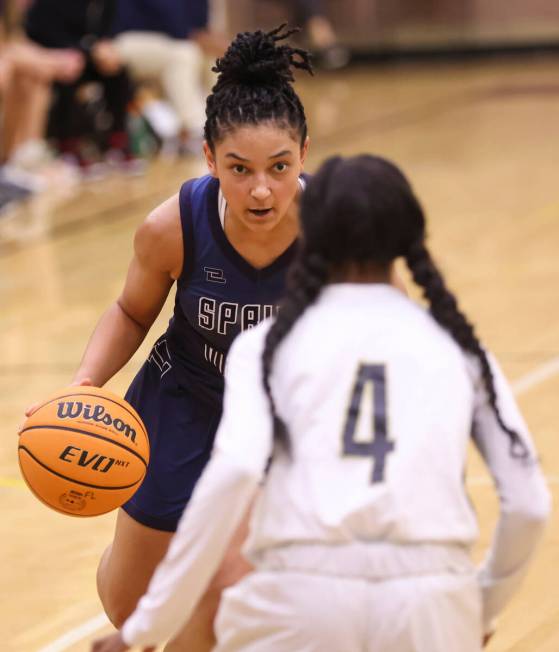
[(533, 507), (540, 509), (244, 476)]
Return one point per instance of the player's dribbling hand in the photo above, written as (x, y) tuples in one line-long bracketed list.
[(113, 643), (84, 382)]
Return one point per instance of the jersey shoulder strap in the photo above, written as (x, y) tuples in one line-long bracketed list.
[(187, 225)]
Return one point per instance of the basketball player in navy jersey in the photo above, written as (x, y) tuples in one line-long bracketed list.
[(226, 240), (361, 534)]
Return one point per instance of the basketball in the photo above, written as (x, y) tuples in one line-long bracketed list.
[(84, 451)]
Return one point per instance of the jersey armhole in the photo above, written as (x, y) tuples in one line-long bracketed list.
[(187, 225)]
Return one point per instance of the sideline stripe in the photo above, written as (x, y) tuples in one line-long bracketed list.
[(523, 384), (77, 634), (482, 480), (538, 375)]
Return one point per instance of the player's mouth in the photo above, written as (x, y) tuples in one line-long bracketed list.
[(260, 212)]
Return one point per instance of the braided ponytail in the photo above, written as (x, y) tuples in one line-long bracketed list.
[(362, 211), (307, 277), (443, 307)]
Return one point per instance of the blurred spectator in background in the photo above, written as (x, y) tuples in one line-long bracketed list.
[(84, 26), (26, 74), (310, 15), (168, 40)]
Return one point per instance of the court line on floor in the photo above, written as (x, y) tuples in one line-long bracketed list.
[(77, 634), (483, 480), (524, 384), (537, 376)]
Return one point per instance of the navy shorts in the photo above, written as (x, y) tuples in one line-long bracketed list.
[(181, 431)]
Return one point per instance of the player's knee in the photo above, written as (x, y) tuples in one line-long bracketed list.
[(116, 616), (116, 601), (116, 607)]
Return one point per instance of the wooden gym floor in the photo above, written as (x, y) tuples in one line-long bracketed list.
[(480, 142)]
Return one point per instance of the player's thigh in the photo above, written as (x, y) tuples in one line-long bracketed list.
[(425, 614), (128, 564), (447, 614), (284, 611), (181, 430)]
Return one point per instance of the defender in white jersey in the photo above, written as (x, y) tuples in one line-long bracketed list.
[(365, 402)]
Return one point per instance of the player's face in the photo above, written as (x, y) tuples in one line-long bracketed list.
[(258, 169)]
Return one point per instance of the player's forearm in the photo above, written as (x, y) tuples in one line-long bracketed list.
[(113, 342), (515, 540), (220, 500)]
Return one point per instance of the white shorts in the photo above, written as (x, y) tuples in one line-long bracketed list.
[(294, 611)]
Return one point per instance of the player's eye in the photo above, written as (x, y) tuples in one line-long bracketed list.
[(280, 167), (239, 169)]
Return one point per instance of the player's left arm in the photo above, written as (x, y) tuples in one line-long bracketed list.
[(220, 500), (524, 499)]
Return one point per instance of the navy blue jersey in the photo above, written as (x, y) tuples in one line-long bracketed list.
[(178, 391), (219, 293)]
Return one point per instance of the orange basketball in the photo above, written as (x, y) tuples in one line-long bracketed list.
[(84, 451)]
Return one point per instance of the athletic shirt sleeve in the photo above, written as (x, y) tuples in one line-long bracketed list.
[(221, 498), (524, 499)]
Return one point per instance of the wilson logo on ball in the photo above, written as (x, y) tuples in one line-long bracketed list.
[(81, 457), (97, 413)]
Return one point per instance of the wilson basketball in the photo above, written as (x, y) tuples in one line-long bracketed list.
[(84, 451)]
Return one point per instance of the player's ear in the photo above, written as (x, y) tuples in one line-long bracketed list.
[(304, 150), (210, 160)]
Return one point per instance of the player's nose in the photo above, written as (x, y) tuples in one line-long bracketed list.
[(260, 191)]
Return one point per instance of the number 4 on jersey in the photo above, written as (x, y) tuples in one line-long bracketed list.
[(369, 377)]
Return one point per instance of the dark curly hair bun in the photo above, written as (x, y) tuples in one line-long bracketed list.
[(254, 84), (254, 58)]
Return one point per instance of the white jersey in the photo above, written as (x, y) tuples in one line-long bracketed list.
[(380, 404)]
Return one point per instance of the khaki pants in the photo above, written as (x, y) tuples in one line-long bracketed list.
[(177, 64)]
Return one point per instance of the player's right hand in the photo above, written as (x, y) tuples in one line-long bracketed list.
[(35, 406), (114, 643)]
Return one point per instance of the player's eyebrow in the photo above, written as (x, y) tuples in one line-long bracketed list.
[(284, 152), (236, 157)]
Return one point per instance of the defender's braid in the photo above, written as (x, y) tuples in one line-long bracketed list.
[(307, 277), (445, 310)]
